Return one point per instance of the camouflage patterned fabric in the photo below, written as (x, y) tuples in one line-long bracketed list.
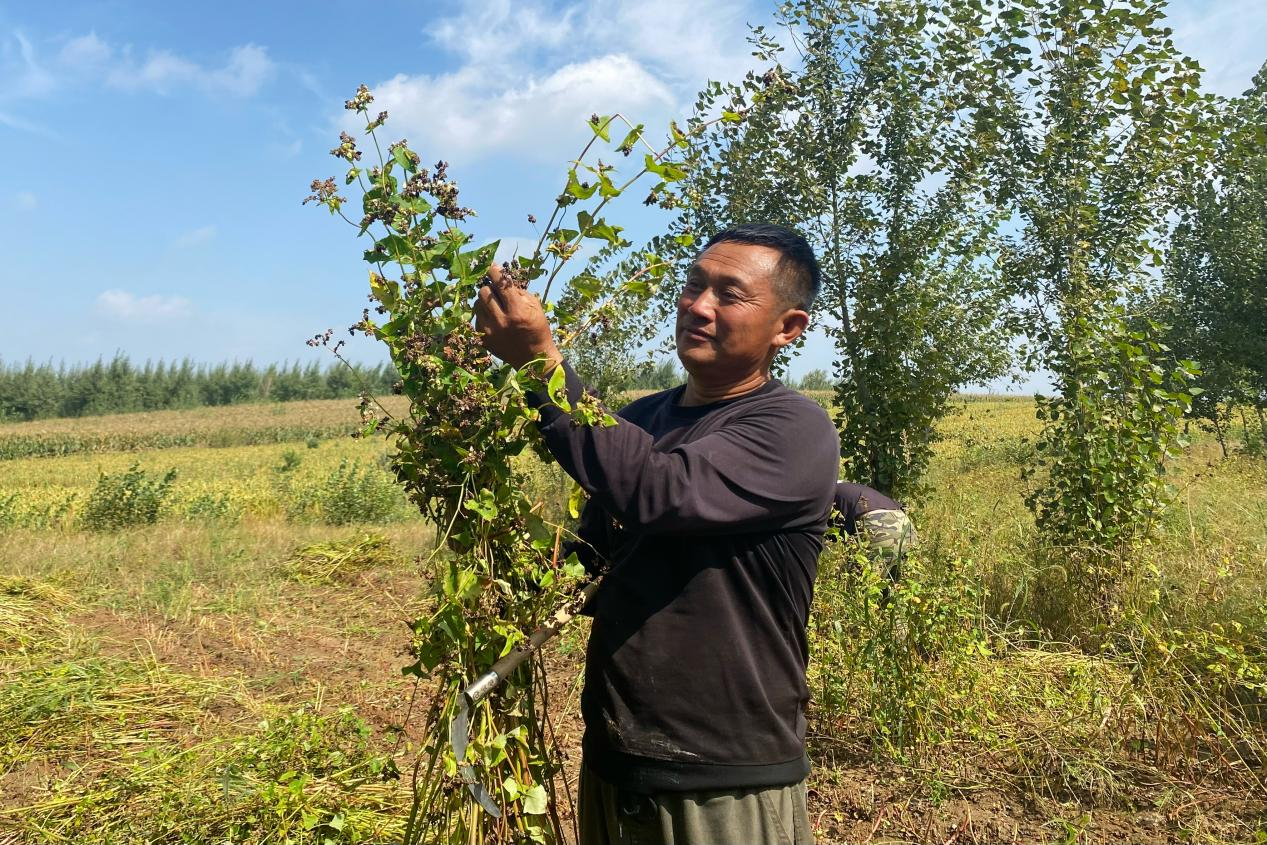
[(890, 534)]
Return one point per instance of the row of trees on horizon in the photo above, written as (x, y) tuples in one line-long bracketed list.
[(32, 391)]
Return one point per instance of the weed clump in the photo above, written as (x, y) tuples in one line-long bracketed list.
[(311, 777), (343, 559), (894, 659), (126, 499), (211, 507), (111, 733), (351, 493)]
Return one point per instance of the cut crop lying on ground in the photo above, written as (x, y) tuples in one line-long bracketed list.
[(103, 749), (120, 729), (341, 560)]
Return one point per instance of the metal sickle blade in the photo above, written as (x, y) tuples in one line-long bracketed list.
[(459, 728)]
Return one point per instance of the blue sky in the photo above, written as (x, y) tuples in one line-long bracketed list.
[(156, 153)]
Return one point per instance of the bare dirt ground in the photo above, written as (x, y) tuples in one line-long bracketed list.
[(348, 642)]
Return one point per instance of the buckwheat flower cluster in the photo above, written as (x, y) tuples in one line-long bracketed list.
[(361, 100), (325, 192), (437, 185), (347, 148)]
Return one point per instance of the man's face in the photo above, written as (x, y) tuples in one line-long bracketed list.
[(730, 318)]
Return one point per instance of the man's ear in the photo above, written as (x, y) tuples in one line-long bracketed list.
[(791, 326)]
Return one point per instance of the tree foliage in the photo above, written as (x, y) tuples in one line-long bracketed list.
[(1215, 290), (815, 380), (1101, 123), (867, 142), (609, 354)]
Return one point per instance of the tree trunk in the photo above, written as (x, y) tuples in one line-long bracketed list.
[(1218, 432)]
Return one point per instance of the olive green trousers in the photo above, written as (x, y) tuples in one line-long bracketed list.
[(773, 816)]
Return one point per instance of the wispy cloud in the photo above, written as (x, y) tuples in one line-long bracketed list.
[(22, 124), (85, 52), (246, 69), (88, 59), (23, 71), (194, 237), (123, 305), (25, 200)]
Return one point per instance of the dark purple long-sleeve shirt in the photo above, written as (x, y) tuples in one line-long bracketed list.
[(711, 520)]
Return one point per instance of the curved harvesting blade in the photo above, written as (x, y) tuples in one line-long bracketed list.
[(459, 732)]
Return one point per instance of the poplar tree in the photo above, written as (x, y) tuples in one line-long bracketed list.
[(866, 139), (1101, 123)]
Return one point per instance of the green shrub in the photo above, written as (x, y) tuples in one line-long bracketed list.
[(351, 493), (290, 461), (125, 499), (211, 507)]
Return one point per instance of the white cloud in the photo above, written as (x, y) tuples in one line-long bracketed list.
[(26, 200), (529, 75), (123, 305), (681, 42), (462, 116), (87, 52), (88, 59), (687, 43), (248, 68), (194, 237), (490, 31)]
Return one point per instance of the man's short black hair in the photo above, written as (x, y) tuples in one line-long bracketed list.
[(799, 275)]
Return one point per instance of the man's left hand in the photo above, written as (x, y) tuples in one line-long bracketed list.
[(513, 324)]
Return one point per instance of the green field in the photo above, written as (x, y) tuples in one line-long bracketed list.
[(199, 680)]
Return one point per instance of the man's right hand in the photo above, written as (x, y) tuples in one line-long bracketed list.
[(513, 324)]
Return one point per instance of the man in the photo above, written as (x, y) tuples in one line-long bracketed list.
[(709, 503), (863, 512)]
